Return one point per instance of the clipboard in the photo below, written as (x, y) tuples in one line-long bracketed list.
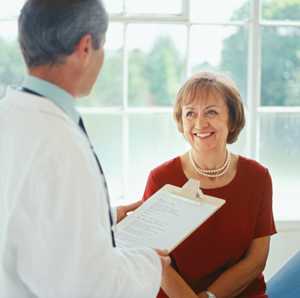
[(167, 218)]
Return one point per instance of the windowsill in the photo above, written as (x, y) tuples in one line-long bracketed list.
[(287, 225)]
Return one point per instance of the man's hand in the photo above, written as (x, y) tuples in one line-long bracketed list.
[(122, 211), (164, 258)]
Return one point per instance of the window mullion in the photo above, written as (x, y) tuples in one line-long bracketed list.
[(125, 154), (125, 67), (254, 75), (125, 124), (124, 7), (186, 9), (188, 48)]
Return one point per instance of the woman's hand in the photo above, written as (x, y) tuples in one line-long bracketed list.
[(122, 211), (233, 281), (174, 286)]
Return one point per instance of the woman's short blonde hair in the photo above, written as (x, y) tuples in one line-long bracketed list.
[(204, 84)]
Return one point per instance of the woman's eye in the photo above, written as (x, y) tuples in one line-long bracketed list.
[(189, 114), (211, 113)]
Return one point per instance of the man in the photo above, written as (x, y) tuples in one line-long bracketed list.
[(56, 220)]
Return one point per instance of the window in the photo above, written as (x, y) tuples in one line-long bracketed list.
[(279, 113), (12, 67), (151, 48)]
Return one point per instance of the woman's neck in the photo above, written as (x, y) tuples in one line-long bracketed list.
[(210, 160)]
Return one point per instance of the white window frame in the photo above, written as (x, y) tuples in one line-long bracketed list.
[(125, 110), (253, 96)]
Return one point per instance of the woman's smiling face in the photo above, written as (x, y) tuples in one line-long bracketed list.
[(205, 122)]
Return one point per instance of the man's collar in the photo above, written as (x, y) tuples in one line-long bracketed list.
[(57, 95)]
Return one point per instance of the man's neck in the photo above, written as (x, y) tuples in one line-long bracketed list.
[(57, 75)]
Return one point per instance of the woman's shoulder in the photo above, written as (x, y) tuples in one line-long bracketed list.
[(167, 167), (169, 172), (251, 167)]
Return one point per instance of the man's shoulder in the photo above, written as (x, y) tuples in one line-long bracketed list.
[(28, 106), (43, 123)]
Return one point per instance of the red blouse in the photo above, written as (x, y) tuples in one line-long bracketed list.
[(224, 238)]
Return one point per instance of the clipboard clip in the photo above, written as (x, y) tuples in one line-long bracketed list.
[(192, 189)]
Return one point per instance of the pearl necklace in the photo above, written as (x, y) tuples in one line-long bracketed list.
[(212, 173)]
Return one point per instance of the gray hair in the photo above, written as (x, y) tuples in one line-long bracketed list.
[(50, 29)]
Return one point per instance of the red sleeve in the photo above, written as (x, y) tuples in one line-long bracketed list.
[(151, 187), (265, 221)]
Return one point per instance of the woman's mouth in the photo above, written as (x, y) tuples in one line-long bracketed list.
[(203, 135)]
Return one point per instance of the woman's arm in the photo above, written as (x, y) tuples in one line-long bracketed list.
[(233, 281), (174, 286)]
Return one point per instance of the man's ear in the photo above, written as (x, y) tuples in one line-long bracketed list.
[(83, 49)]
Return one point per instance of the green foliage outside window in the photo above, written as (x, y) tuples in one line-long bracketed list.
[(280, 72), (12, 67), (108, 88), (155, 76)]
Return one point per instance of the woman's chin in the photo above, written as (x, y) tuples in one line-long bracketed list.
[(205, 147)]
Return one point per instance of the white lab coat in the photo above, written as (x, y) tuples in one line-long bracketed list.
[(55, 234)]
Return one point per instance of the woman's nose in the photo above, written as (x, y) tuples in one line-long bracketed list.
[(201, 122)]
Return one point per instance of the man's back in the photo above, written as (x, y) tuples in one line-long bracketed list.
[(33, 131), (56, 240), (17, 142)]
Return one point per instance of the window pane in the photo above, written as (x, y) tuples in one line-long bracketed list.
[(215, 10), (12, 67), (221, 49), (280, 66), (156, 64), (108, 88), (105, 133), (153, 139), (280, 151), (11, 8), (114, 6), (281, 10), (154, 6), (240, 146)]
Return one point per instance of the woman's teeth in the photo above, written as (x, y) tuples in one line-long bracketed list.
[(203, 135)]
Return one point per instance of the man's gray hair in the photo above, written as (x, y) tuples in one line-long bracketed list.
[(50, 29)]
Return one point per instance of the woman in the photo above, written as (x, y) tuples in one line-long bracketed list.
[(225, 257)]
